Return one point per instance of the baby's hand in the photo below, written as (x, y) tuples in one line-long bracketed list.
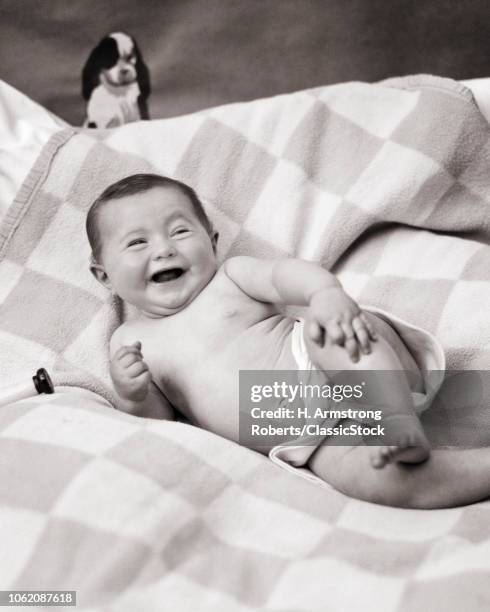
[(130, 374), (336, 317)]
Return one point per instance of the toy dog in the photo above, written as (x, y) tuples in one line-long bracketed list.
[(115, 83)]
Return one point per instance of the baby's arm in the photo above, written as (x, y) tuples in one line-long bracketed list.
[(332, 314), (133, 383)]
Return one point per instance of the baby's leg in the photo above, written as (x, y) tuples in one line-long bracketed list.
[(449, 478), (388, 391)]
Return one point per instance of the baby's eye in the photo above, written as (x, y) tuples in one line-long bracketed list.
[(136, 241), (180, 231)]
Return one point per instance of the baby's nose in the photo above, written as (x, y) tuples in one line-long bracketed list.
[(163, 250)]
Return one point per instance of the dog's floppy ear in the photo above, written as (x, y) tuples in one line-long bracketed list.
[(144, 84), (104, 55)]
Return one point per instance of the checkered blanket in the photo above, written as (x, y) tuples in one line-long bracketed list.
[(144, 515), (388, 185)]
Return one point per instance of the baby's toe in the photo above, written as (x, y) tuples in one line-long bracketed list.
[(380, 457)]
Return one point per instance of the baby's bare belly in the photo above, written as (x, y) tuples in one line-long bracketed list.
[(211, 398)]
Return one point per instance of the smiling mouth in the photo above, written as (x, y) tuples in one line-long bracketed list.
[(167, 275)]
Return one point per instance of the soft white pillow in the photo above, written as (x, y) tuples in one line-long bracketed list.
[(24, 129)]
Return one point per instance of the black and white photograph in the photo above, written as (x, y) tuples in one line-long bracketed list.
[(244, 305)]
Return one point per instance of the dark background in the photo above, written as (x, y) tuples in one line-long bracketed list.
[(207, 52)]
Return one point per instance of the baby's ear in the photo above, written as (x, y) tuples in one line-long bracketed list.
[(214, 240), (100, 274)]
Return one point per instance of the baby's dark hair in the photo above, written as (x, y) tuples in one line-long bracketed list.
[(131, 185)]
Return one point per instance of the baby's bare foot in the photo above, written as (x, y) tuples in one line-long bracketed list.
[(406, 442)]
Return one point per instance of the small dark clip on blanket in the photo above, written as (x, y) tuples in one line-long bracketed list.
[(41, 383)]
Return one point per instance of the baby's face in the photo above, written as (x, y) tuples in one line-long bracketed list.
[(156, 254)]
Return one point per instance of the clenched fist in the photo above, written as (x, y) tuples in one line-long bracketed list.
[(130, 374)]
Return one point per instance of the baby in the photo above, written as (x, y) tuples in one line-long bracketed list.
[(199, 324)]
